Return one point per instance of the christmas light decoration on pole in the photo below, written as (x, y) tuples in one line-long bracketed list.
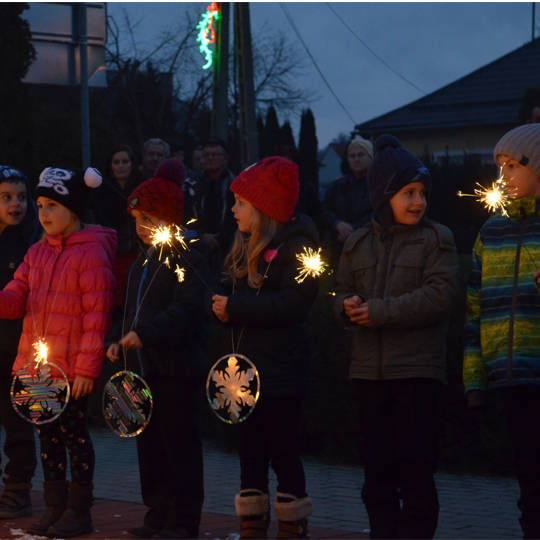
[(207, 34)]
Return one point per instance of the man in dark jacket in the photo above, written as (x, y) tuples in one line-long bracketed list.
[(213, 202), (18, 230)]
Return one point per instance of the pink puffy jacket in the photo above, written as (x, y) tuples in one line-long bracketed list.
[(64, 289)]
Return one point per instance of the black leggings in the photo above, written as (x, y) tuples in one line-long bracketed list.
[(69, 431), (270, 436)]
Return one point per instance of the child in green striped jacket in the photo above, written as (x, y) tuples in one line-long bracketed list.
[(502, 331)]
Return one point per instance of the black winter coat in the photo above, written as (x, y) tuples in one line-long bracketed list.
[(170, 321), (346, 199), (109, 208), (274, 337), (14, 243)]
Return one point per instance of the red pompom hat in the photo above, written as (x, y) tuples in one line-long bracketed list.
[(161, 195), (271, 186)]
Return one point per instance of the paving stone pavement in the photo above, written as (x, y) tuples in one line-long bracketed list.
[(471, 506)]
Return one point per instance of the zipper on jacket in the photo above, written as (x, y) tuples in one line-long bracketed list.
[(387, 242), (514, 301)]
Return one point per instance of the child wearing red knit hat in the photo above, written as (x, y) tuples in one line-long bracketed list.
[(162, 336), (260, 300)]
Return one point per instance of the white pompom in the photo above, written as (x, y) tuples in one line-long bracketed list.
[(92, 177)]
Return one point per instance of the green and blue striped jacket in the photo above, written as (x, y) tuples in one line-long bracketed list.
[(502, 330)]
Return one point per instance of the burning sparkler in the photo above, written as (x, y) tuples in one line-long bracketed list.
[(165, 236), (493, 198), (40, 351), (311, 264)]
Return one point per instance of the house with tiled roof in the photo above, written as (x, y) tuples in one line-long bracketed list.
[(467, 116)]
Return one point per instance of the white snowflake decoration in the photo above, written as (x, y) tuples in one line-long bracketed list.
[(233, 392)]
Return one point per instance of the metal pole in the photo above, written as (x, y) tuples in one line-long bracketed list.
[(249, 147), (85, 109), (221, 74), (533, 19)]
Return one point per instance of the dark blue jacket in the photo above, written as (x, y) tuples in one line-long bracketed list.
[(14, 243)]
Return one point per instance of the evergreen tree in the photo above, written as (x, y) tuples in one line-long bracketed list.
[(309, 166), (260, 130), (271, 134), (16, 55), (287, 146)]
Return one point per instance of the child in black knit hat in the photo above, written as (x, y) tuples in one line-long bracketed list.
[(395, 286)]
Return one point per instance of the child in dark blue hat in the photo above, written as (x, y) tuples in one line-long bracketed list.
[(18, 230), (395, 286)]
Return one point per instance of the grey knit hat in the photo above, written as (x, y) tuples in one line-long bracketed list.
[(363, 143), (522, 144)]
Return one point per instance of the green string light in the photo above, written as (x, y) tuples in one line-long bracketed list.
[(207, 33)]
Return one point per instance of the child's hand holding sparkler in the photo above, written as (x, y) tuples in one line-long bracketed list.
[(113, 352), (131, 341), (219, 307), (357, 310)]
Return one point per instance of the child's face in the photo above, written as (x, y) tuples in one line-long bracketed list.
[(245, 215), (520, 180), (13, 203), (145, 223), (55, 218), (409, 204)]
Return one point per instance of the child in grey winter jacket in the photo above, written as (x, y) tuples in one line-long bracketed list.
[(395, 286)]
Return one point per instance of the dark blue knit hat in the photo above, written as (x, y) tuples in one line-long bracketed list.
[(393, 168)]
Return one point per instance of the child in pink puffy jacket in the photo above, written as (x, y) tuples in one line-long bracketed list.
[(64, 290)]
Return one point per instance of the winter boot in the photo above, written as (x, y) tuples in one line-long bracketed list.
[(15, 500), (55, 495), (292, 514), (76, 519), (253, 508)]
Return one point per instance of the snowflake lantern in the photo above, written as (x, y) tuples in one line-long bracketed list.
[(233, 388), (39, 390), (127, 403)]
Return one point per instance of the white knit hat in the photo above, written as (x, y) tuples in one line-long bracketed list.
[(522, 144), (364, 143)]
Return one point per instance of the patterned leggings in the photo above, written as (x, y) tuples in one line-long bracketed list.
[(69, 431)]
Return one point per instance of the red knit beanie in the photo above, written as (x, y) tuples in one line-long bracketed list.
[(271, 186), (161, 195)]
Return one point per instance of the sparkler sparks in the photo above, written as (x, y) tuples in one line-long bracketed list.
[(40, 351), (311, 264), (165, 236), (493, 198), (180, 273)]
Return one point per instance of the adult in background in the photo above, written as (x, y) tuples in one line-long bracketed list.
[(121, 177), (213, 202), (346, 205), (154, 152)]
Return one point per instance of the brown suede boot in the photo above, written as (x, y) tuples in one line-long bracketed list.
[(15, 500), (76, 519), (253, 508), (55, 495), (292, 514)]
